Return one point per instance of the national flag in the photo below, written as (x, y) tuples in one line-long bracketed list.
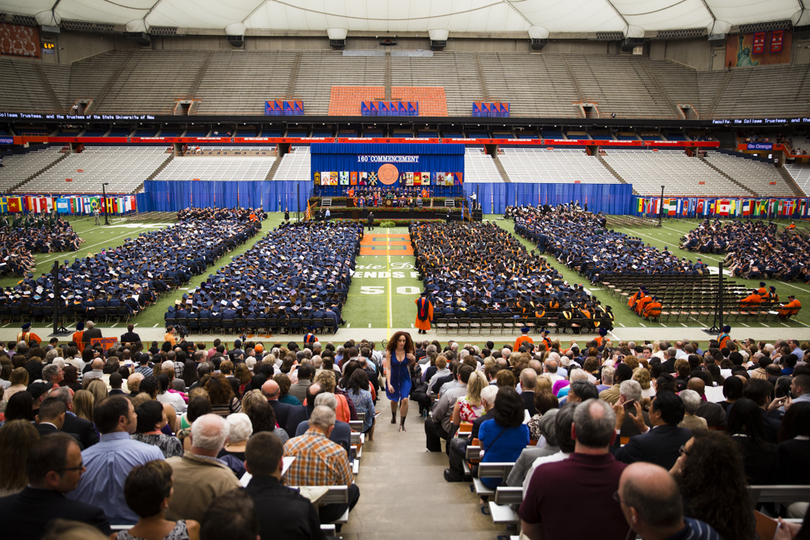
[(685, 209), (732, 211), (701, 204), (109, 205), (746, 208), (15, 204), (803, 208), (3, 206), (722, 208), (640, 205), (62, 205), (50, 203), (656, 206), (120, 204)]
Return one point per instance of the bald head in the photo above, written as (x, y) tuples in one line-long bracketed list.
[(270, 389), (650, 498), (697, 384), (98, 363)]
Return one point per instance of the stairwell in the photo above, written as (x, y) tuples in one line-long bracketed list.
[(296, 67), (729, 177), (106, 89), (389, 77), (272, 172), (720, 91), (791, 182), (42, 170), (43, 80), (484, 89), (578, 88), (501, 170), (155, 173), (195, 84), (660, 89), (612, 171)]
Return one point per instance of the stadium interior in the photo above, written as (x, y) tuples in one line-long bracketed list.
[(224, 170)]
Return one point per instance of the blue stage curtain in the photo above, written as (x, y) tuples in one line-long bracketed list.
[(607, 198)]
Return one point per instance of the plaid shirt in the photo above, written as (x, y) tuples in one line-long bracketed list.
[(319, 461)]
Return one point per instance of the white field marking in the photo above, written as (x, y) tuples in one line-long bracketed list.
[(369, 325), (5, 325), (785, 325), (684, 325), (114, 325), (664, 326), (155, 326), (623, 326), (348, 325), (642, 324), (745, 325), (136, 324)]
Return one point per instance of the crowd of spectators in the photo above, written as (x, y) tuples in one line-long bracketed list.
[(581, 241), (134, 273), (479, 269), (628, 430), (153, 438), (297, 271), (222, 214), (754, 249)]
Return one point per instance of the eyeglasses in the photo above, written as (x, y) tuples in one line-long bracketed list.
[(682, 450), (79, 468)]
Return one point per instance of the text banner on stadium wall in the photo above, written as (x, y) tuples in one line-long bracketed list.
[(728, 207), (337, 167)]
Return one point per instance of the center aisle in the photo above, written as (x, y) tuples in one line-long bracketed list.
[(403, 493)]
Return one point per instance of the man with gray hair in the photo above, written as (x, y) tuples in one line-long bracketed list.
[(587, 479), (52, 374), (629, 395), (691, 403), (528, 381), (321, 462), (199, 477), (342, 433)]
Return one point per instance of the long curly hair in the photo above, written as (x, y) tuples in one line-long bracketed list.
[(713, 485), (392, 343)]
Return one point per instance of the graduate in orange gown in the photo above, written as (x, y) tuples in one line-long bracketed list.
[(424, 313)]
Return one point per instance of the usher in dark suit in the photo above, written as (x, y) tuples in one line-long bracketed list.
[(27, 514)]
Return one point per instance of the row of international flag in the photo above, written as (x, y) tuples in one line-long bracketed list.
[(68, 205), (692, 207)]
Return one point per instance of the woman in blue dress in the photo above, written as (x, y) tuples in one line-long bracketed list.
[(398, 358)]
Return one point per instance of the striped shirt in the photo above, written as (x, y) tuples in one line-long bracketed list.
[(319, 461)]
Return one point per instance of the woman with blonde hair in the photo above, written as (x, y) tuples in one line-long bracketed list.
[(470, 407), (98, 388), (16, 438), (83, 402), (250, 398), (19, 383), (642, 376)]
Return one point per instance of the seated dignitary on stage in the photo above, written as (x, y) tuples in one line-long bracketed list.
[(54, 466)]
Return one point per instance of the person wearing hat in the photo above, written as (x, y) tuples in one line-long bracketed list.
[(790, 309), (752, 300), (28, 336), (523, 338), (762, 291), (653, 308), (773, 298), (724, 338), (424, 313), (546, 340), (602, 339)]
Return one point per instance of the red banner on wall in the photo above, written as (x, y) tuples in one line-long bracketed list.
[(776, 40), (759, 43), (19, 40)]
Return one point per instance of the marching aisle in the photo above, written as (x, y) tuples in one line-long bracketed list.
[(403, 493)]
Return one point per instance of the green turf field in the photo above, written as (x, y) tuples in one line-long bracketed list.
[(384, 287)]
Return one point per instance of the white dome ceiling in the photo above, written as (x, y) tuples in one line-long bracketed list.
[(485, 17)]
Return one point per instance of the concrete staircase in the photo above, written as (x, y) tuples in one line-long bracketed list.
[(719, 94), (660, 89), (97, 100), (612, 171), (20, 184), (296, 68), (43, 80), (791, 182), (732, 179), (272, 172), (578, 88), (484, 89), (195, 84), (501, 170)]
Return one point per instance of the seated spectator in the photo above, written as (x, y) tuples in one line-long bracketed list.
[(651, 504), (148, 492), (547, 429), (321, 462), (149, 430), (711, 478), (563, 421), (263, 418), (630, 394), (713, 413), (232, 516), (199, 477), (543, 402), (16, 439), (691, 403), (239, 431), (103, 485), (505, 436), (746, 427), (587, 479), (283, 512), (54, 467), (357, 389), (660, 443), (220, 393), (458, 445)]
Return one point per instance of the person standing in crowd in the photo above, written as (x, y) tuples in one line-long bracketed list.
[(370, 220), (398, 356), (424, 313)]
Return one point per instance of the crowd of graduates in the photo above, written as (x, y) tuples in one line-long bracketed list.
[(754, 249), (581, 241), (21, 237), (220, 214), (479, 269), (298, 271), (140, 269)]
